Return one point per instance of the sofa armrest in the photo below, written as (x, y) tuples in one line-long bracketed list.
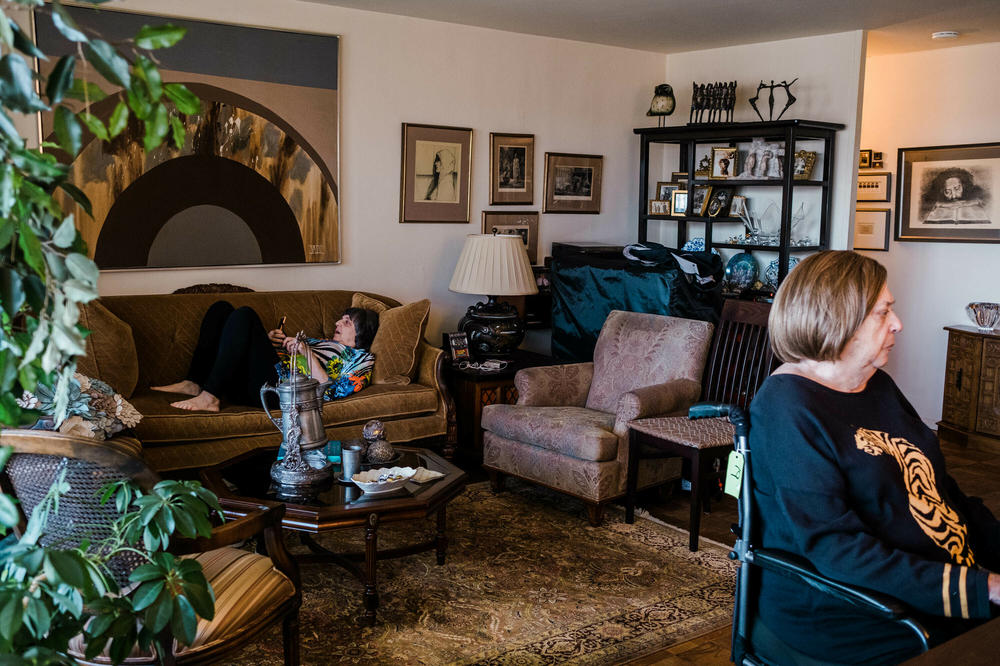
[(554, 385), (659, 399), (427, 366)]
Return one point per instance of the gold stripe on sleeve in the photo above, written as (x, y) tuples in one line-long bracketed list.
[(963, 598), (945, 584)]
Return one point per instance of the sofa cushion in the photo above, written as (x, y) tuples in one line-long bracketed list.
[(397, 341), (111, 353), (636, 350), (577, 432), (162, 423), (359, 300)]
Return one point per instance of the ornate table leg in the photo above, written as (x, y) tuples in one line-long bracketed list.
[(442, 537), (371, 557)]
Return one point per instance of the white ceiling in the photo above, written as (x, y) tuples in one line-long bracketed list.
[(673, 26)]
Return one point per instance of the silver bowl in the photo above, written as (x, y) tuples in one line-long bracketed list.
[(986, 316)]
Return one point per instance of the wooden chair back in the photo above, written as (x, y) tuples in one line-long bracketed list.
[(741, 357)]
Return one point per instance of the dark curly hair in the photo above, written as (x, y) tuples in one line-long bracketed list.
[(934, 192)]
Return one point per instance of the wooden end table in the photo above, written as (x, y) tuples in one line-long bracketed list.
[(337, 505)]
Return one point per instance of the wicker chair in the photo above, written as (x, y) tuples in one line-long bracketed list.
[(273, 579)]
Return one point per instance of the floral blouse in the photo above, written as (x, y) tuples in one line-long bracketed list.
[(350, 369)]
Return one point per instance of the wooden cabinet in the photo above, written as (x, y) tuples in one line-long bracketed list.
[(785, 191), (970, 411)]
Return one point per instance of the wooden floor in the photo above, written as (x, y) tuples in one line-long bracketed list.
[(976, 472)]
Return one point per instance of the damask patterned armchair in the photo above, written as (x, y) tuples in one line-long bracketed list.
[(569, 428)]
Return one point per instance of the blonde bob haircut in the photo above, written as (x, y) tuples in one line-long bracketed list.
[(822, 303)]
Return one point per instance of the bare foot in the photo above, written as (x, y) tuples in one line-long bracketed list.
[(186, 386), (203, 402)]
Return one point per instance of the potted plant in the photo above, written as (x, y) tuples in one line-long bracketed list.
[(48, 594)]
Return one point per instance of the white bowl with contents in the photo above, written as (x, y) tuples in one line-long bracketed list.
[(383, 479)]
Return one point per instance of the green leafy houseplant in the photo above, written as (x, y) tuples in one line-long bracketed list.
[(48, 595), (45, 273)]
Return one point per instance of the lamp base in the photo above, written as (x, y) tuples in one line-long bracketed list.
[(494, 329)]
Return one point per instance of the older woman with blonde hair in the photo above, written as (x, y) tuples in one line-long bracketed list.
[(847, 476)]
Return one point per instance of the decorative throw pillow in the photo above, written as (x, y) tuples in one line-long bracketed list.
[(397, 342), (94, 410), (111, 352)]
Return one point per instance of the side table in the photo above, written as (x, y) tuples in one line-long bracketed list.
[(473, 389)]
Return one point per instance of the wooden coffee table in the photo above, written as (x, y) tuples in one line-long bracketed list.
[(246, 479)]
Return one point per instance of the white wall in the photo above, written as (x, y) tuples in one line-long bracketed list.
[(932, 98), (829, 70), (574, 97)]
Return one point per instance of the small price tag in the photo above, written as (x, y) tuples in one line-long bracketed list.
[(734, 474)]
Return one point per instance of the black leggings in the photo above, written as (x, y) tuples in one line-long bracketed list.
[(234, 357)]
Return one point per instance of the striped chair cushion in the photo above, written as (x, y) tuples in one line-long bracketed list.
[(248, 589)]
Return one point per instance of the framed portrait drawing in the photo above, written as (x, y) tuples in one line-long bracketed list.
[(512, 169), (871, 229), (949, 194), (679, 202), (523, 223), (874, 186), (435, 174), (723, 163), (573, 183)]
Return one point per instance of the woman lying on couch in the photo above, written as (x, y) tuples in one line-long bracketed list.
[(235, 356)]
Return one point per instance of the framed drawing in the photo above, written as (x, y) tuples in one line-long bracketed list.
[(573, 183), (435, 172), (871, 229), (874, 186), (948, 194), (512, 169), (523, 223), (723, 163), (679, 202), (229, 197)]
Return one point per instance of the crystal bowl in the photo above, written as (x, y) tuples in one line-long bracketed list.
[(984, 315)]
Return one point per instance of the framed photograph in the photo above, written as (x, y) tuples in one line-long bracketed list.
[(679, 176), (512, 169), (659, 207), (723, 163), (573, 183), (865, 159), (877, 162), (738, 207), (435, 174), (764, 161), (871, 229), (665, 190), (719, 202), (679, 202), (699, 199), (802, 166), (874, 186), (949, 194), (523, 223), (457, 345)]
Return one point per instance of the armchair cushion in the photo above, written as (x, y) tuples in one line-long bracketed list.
[(636, 350), (554, 385), (577, 432)]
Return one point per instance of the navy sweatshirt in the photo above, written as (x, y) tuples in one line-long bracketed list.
[(856, 484)]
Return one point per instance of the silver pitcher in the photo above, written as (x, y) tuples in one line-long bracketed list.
[(307, 395)]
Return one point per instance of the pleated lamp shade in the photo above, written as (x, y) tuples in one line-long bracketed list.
[(493, 265)]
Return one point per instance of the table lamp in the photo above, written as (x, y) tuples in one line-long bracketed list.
[(493, 265)]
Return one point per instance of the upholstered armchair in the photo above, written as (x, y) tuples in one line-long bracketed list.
[(569, 428)]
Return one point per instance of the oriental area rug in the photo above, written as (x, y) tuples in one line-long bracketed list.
[(527, 581)]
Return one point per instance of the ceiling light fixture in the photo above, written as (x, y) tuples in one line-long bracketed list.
[(944, 34)]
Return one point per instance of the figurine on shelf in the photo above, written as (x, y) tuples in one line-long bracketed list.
[(712, 103), (789, 98)]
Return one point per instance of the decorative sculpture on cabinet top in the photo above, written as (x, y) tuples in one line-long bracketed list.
[(789, 98), (713, 102), (663, 102)]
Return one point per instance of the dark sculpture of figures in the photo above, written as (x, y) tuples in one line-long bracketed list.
[(712, 102), (789, 98)]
